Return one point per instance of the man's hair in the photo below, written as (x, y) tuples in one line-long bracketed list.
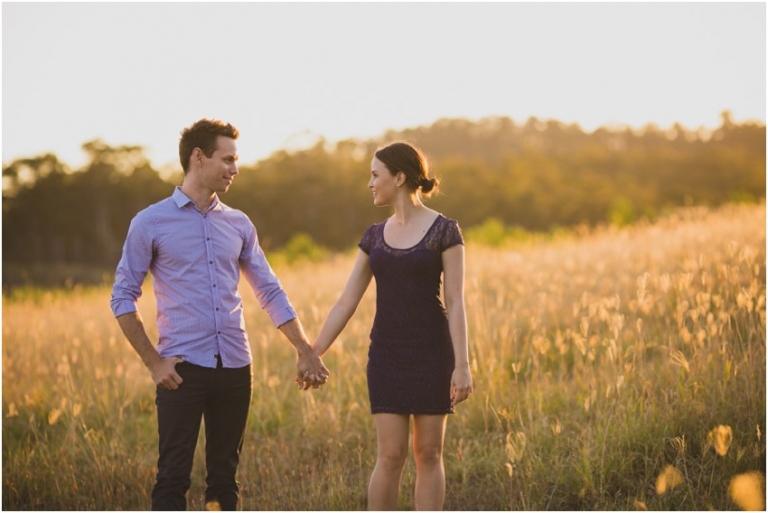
[(203, 135)]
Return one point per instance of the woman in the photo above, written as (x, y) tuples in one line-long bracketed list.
[(418, 359)]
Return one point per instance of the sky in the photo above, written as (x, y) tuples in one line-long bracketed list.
[(287, 73)]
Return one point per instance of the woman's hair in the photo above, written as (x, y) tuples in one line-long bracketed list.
[(203, 135), (403, 157)]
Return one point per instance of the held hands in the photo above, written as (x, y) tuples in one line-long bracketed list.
[(310, 370), (461, 384)]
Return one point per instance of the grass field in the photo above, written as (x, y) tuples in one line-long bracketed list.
[(603, 365)]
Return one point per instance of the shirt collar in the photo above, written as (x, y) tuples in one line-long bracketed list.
[(182, 199)]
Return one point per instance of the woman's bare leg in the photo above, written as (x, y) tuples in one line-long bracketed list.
[(392, 437), (428, 436)]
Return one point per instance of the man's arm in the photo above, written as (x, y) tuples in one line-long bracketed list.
[(162, 370), (310, 370), (130, 273)]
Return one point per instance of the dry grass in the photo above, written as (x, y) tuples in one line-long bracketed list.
[(604, 365)]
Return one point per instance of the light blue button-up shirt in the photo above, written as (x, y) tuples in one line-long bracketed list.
[(195, 259)]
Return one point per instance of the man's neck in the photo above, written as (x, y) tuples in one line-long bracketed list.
[(202, 198)]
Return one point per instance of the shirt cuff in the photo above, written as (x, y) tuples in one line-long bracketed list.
[(123, 306), (282, 316)]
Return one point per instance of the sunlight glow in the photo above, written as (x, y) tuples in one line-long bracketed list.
[(290, 73)]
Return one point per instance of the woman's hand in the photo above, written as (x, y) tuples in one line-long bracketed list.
[(310, 370), (461, 384)]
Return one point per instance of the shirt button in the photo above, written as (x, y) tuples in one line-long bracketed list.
[(210, 261), (217, 309)]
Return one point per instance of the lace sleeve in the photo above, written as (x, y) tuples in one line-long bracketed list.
[(451, 235), (365, 240)]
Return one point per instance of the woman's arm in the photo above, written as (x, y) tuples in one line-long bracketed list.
[(453, 270), (346, 305)]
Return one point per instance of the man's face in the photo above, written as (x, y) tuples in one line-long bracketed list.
[(218, 170)]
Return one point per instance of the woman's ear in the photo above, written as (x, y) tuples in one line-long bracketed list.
[(400, 178)]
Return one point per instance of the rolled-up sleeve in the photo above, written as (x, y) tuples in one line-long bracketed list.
[(269, 292), (133, 266)]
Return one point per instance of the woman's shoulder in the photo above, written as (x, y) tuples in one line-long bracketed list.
[(446, 221), (371, 236), (448, 232), (375, 227)]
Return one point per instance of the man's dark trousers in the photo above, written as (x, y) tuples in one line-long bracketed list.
[(220, 396)]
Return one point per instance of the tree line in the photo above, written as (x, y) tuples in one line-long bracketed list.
[(538, 175)]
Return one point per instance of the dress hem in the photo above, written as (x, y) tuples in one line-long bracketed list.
[(410, 412)]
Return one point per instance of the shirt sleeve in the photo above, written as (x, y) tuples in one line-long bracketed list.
[(269, 292), (133, 266), (451, 235), (365, 241)]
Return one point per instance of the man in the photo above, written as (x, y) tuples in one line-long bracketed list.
[(195, 247)]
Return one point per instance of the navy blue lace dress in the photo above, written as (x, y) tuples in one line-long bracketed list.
[(410, 359)]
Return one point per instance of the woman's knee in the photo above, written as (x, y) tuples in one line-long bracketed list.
[(428, 454), (392, 458), (428, 438)]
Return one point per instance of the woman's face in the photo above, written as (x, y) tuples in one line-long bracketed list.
[(383, 184)]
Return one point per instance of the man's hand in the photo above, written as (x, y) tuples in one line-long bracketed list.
[(163, 370), (310, 370), (164, 373)]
